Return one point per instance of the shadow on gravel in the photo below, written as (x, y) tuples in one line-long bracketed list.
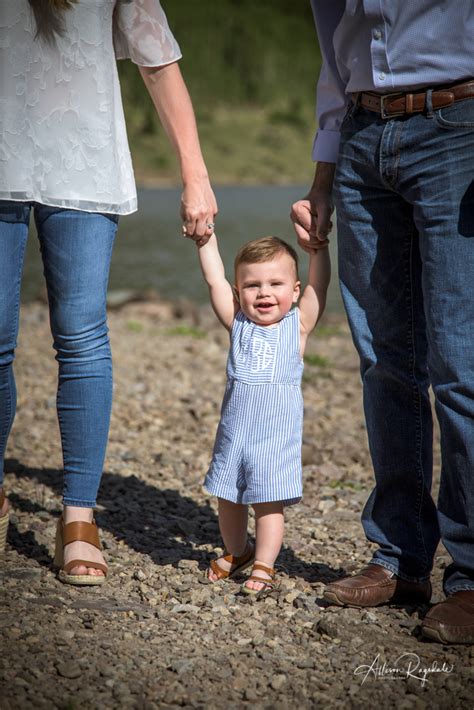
[(310, 572), (25, 543), (157, 522)]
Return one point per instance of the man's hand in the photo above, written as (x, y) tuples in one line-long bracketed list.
[(311, 216)]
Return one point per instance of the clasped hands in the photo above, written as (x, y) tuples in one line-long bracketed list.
[(198, 211), (311, 219)]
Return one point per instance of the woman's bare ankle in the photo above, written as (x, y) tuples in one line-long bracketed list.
[(72, 514)]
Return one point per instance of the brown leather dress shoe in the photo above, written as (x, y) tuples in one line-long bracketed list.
[(375, 585), (451, 621)]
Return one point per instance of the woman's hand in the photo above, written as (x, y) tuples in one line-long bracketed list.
[(198, 210)]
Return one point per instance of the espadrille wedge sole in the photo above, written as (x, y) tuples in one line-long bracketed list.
[(4, 520)]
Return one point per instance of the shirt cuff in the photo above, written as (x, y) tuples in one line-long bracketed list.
[(326, 146)]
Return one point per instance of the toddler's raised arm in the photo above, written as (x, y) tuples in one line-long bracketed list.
[(220, 290), (313, 300)]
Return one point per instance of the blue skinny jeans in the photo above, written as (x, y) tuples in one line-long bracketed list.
[(76, 249), (405, 208)]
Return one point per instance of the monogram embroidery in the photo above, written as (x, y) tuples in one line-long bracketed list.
[(262, 354)]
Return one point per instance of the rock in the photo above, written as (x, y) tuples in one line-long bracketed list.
[(305, 663), (327, 627), (250, 695), (370, 616), (278, 681), (65, 636), (184, 608), (182, 666), (244, 641), (118, 298), (69, 670)]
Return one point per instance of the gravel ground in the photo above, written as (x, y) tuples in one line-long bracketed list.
[(157, 635)]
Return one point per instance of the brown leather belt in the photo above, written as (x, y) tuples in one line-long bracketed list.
[(401, 104)]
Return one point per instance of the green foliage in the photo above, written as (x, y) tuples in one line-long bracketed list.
[(326, 331), (243, 51), (187, 330), (251, 69), (134, 326), (316, 360)]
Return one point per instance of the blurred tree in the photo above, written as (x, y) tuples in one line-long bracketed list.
[(254, 55), (236, 52)]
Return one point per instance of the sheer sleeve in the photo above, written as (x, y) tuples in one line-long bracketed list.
[(141, 33)]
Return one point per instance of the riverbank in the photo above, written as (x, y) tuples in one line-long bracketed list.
[(156, 635), (242, 146)]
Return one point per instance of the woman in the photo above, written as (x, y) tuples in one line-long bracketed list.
[(64, 156)]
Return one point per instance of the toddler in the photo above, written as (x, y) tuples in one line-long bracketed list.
[(257, 453)]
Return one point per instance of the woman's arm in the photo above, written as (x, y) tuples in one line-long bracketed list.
[(313, 300), (220, 290), (173, 105)]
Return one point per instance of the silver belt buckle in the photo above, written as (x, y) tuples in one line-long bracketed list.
[(383, 114)]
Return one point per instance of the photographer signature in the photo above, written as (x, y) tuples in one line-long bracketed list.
[(407, 665)]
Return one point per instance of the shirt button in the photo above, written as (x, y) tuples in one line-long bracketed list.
[(382, 76), (377, 34)]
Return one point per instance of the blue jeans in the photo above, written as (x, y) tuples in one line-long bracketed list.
[(76, 248), (405, 209)]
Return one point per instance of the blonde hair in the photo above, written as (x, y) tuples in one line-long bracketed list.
[(265, 249)]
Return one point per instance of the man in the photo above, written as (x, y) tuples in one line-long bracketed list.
[(396, 112)]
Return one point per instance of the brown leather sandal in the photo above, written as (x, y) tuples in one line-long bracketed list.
[(77, 532), (4, 520), (239, 563), (269, 583)]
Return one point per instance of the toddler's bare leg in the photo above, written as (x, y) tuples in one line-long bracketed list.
[(269, 529), (233, 519)]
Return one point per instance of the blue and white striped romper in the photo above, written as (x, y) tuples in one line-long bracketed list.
[(257, 454)]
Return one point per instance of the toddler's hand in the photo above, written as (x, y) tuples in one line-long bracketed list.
[(311, 216), (315, 244), (200, 241)]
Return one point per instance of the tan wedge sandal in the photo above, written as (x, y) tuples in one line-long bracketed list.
[(238, 564), (77, 532), (268, 582), (4, 520)]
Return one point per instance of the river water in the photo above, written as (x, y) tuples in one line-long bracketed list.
[(150, 251)]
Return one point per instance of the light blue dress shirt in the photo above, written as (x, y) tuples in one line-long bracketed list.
[(386, 46)]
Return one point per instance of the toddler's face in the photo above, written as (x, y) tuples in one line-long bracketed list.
[(267, 290)]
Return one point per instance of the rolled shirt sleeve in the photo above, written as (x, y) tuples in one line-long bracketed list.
[(331, 99), (141, 33)]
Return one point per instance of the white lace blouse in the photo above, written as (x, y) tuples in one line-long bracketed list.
[(63, 140)]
